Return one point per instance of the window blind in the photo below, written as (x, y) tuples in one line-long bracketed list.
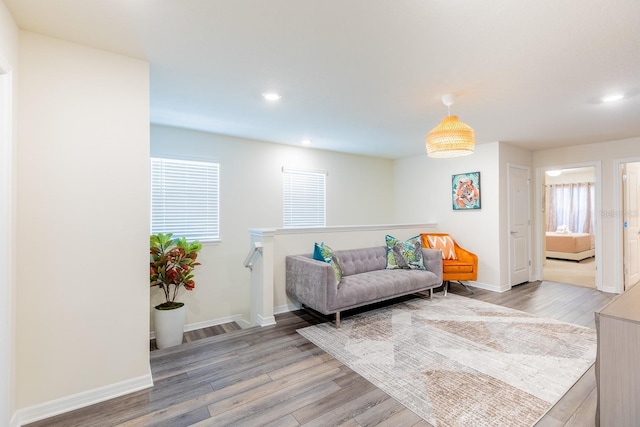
[(185, 199), (304, 198)]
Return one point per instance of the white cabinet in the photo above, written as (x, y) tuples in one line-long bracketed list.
[(618, 361)]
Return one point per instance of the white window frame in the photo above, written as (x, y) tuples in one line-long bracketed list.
[(185, 198), (304, 198)]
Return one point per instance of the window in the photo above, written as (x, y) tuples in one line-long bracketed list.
[(571, 205), (185, 199), (304, 198)]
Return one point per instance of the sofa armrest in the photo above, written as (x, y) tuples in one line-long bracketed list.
[(311, 282), (433, 261)]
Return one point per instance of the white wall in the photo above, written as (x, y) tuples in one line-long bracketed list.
[(83, 221), (609, 216), (423, 194), (483, 231), (359, 192), (8, 143)]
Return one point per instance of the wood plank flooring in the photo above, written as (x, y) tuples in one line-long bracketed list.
[(272, 376), (199, 334)]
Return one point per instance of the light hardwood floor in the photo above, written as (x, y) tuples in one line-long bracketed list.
[(581, 273), (272, 376)]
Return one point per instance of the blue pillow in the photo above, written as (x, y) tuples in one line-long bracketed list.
[(322, 252), (407, 254)]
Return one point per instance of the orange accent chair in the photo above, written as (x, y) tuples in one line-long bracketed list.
[(457, 263)]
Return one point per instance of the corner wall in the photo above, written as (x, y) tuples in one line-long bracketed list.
[(8, 170), (83, 220)]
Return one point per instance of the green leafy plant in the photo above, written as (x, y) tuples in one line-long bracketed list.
[(172, 263)]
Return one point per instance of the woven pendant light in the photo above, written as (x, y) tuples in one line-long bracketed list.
[(451, 138)]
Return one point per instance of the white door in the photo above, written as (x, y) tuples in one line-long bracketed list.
[(632, 225), (519, 224)]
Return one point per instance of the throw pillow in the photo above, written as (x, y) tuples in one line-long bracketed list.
[(322, 252), (444, 243), (407, 254)]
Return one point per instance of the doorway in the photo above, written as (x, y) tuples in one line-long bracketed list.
[(569, 226), (630, 174), (519, 224)]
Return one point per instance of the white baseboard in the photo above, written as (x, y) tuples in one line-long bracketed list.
[(486, 286), (80, 400), (214, 322), (609, 289), (266, 321), (244, 324), (286, 308)]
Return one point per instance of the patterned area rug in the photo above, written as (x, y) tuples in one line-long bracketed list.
[(455, 361)]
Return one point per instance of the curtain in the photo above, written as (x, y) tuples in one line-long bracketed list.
[(570, 205)]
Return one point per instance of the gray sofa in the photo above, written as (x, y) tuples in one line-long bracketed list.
[(365, 279)]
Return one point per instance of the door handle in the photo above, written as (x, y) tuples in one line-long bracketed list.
[(513, 233)]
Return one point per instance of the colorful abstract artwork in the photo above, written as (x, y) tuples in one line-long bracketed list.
[(465, 191)]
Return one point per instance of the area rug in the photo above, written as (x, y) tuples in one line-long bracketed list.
[(455, 361)]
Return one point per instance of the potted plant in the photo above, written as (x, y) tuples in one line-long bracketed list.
[(171, 264)]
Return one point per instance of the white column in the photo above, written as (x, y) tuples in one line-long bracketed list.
[(262, 279)]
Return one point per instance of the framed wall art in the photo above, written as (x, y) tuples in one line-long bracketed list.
[(465, 191)]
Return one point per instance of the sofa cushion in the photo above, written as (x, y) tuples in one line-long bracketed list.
[(373, 286), (322, 252), (407, 254), (444, 243), (355, 261)]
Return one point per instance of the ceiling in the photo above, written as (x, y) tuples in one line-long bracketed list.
[(367, 76)]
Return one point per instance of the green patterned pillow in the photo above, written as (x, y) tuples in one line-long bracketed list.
[(322, 252), (406, 254)]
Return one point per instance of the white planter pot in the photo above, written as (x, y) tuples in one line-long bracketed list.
[(169, 327)]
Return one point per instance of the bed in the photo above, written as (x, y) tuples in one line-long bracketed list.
[(570, 246)]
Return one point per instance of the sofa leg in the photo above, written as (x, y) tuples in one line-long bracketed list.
[(338, 320), (431, 293), (446, 287)]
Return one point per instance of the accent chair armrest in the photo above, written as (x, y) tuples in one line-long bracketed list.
[(465, 255)]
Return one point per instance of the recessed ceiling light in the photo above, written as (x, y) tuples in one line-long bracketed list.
[(271, 96), (554, 172), (611, 98), (306, 142)]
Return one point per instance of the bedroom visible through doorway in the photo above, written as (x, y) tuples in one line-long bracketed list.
[(569, 226)]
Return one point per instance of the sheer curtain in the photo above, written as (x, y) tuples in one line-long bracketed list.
[(570, 205)]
